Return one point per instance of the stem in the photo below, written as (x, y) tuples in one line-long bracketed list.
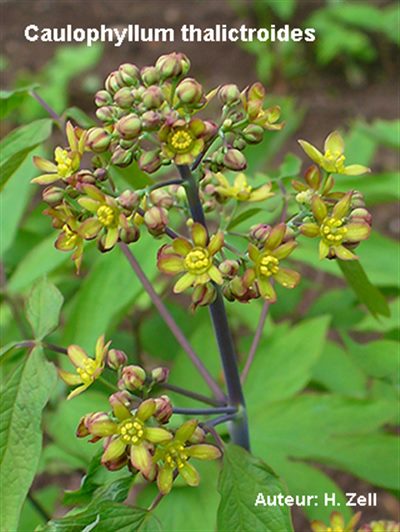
[(192, 395), (221, 419), (169, 320), (39, 508), (239, 428), (165, 184), (47, 108), (205, 411), (160, 496), (256, 341)]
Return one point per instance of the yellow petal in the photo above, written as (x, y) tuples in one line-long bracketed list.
[(190, 474), (157, 434), (72, 379), (141, 458), (334, 143), (78, 391), (357, 232), (184, 282), (323, 249), (199, 235), (266, 289), (287, 278), (164, 480), (77, 356), (314, 154), (216, 243), (344, 254), (215, 275), (356, 169), (114, 449), (181, 246), (44, 164)]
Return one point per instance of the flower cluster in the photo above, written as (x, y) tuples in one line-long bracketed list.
[(338, 524)]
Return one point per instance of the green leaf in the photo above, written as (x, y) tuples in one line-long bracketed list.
[(79, 116), (243, 478), (88, 484), (104, 517), (290, 167), (132, 175), (385, 324), (43, 308), (17, 144), (243, 216), (10, 100), (367, 293), (23, 399), (284, 9)]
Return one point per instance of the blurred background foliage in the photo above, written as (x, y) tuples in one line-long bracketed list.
[(323, 392)]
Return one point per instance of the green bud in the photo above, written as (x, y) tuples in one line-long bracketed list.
[(129, 73), (132, 378), (253, 134), (156, 220), (129, 234), (259, 233), (198, 436), (229, 267), (164, 409), (116, 359), (172, 65), (239, 143), (121, 157), (152, 97), (159, 375), (123, 98), (235, 160), (189, 91), (126, 144), (149, 75), (129, 126), (151, 120), (229, 94), (114, 82), (102, 98), (98, 139), (101, 174), (150, 161), (106, 114), (161, 198), (128, 200), (53, 195), (203, 295)]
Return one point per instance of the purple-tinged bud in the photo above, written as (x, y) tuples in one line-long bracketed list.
[(235, 160), (239, 143), (128, 199), (152, 97), (123, 398), (172, 65), (117, 464), (151, 120), (114, 82), (123, 98), (130, 233), (121, 157), (129, 126), (97, 422), (198, 436), (132, 378), (130, 74), (189, 91), (357, 199), (229, 94), (149, 75), (259, 233), (98, 139), (210, 130), (156, 220), (81, 178), (126, 144), (161, 198), (159, 375), (106, 114), (203, 295), (82, 431), (101, 174), (150, 161), (53, 195), (312, 177), (361, 215), (164, 409), (102, 98), (229, 268), (116, 358), (253, 134)]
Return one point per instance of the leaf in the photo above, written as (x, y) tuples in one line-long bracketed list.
[(367, 293), (23, 399), (88, 484), (284, 10), (9, 100), (385, 324), (132, 175), (242, 217), (79, 116), (17, 144), (290, 167), (43, 308), (103, 517), (242, 479)]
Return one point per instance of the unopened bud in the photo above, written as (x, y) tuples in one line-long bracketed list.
[(361, 215), (53, 195), (229, 267), (128, 199), (132, 378), (172, 65), (239, 143), (189, 91), (114, 82), (203, 295), (121, 157), (235, 160), (151, 120), (102, 98), (122, 397), (95, 423), (210, 130), (82, 431), (101, 174), (129, 126), (198, 436), (259, 233), (357, 199), (130, 233), (152, 97), (130, 74), (116, 358), (313, 177), (150, 161), (149, 75), (229, 94), (159, 375), (106, 114), (156, 220), (164, 409), (98, 139), (123, 98), (161, 198), (253, 134)]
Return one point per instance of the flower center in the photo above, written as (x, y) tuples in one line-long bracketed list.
[(175, 455), (71, 237), (305, 196), (87, 373), (181, 140), (336, 158), (198, 261), (64, 162), (332, 231), (106, 215), (131, 431), (268, 265), (244, 193)]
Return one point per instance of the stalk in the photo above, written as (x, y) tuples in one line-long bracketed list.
[(238, 426)]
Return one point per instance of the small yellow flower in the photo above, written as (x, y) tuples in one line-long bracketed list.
[(196, 259), (183, 141), (337, 523), (67, 161), (333, 159), (87, 368), (241, 190)]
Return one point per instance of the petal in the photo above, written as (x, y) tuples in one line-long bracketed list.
[(318, 526), (323, 249), (184, 282), (170, 264), (164, 480), (181, 159), (356, 169), (89, 204), (70, 132), (215, 275), (334, 143), (254, 252), (199, 235), (72, 379), (157, 435), (261, 193), (120, 410), (45, 179), (216, 243), (190, 474), (204, 451), (314, 154), (342, 206), (309, 229), (222, 180), (197, 147), (266, 289), (77, 356), (275, 237), (287, 278), (186, 430), (104, 428), (146, 409), (94, 193), (357, 232), (181, 246), (64, 243), (90, 228), (44, 164), (197, 126), (240, 181), (114, 449), (77, 391), (319, 209), (111, 237), (344, 254), (284, 250), (141, 458)]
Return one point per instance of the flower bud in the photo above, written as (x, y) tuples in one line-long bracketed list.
[(149, 75), (106, 114), (122, 397), (253, 134), (259, 233), (123, 98), (159, 375), (114, 82), (53, 195), (161, 198), (101, 174), (235, 160), (152, 97), (116, 358), (229, 94), (82, 431), (210, 130), (126, 144), (98, 139), (96, 422), (312, 177), (239, 143), (132, 378), (360, 215), (130, 233), (156, 220), (102, 98), (198, 436), (164, 410), (229, 267), (128, 199), (203, 295), (150, 161), (151, 120), (189, 91), (130, 74), (357, 199), (121, 157), (129, 126), (172, 65)]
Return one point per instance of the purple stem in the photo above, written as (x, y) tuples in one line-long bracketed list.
[(47, 107), (256, 341)]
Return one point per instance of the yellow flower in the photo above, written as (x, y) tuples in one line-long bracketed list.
[(333, 159), (337, 523), (241, 190), (87, 368), (67, 161), (182, 141), (196, 259)]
